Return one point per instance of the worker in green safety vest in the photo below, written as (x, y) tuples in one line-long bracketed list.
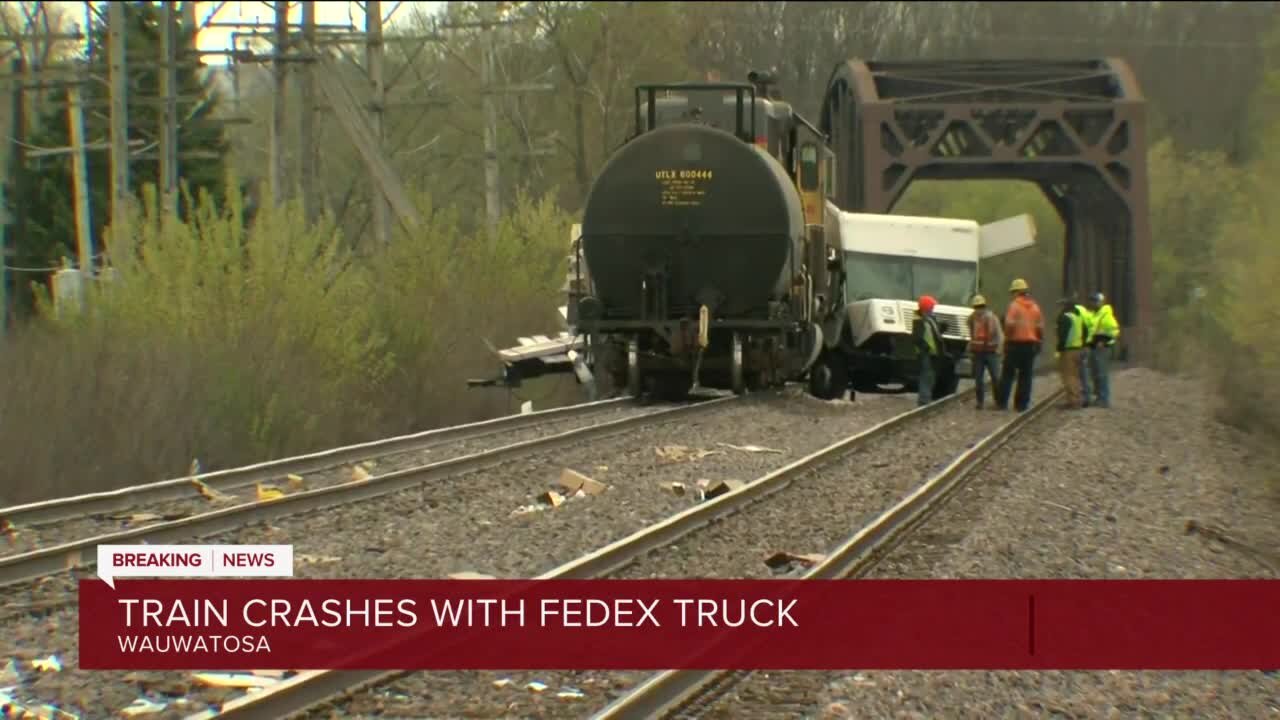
[(928, 341), (1070, 345), (1104, 332), (1087, 317)]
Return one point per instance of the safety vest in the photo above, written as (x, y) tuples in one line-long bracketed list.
[(1104, 323), (1088, 320), (1023, 322), (1075, 336), (931, 334), (983, 328)]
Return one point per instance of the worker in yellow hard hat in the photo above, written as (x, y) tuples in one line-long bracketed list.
[(984, 345), (1023, 335)]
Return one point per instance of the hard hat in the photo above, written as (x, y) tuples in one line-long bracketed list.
[(978, 301), (1097, 297), (926, 303), (1017, 285)]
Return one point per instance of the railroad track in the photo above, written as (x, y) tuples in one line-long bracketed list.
[(82, 553), (690, 693), (309, 690)]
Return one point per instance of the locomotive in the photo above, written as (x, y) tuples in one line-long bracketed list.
[(705, 240)]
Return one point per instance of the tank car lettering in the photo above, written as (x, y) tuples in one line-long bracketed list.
[(683, 188)]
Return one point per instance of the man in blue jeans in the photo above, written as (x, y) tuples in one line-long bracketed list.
[(1106, 330), (987, 337)]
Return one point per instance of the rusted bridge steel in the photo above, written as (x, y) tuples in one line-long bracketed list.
[(1075, 128)]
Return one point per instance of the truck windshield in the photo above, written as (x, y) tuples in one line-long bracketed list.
[(895, 277)]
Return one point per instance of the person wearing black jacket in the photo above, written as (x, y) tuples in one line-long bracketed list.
[(927, 335)]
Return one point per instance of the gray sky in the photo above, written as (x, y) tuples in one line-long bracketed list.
[(327, 11)]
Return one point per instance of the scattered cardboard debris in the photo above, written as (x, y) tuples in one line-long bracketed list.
[(501, 683), (359, 474), (574, 482), (317, 559), (536, 686), (783, 559), (552, 498), (295, 482), (470, 575), (209, 493), (11, 708), (267, 493), (8, 530), (49, 664), (233, 680), (680, 453), (526, 407), (602, 468), (678, 488), (371, 464), (9, 674), (570, 694), (751, 448), (526, 509), (143, 706), (721, 487)]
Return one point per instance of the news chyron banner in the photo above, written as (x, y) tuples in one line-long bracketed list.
[(226, 607)]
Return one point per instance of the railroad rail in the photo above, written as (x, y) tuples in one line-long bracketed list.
[(83, 552), (310, 689), (687, 693), (78, 506)]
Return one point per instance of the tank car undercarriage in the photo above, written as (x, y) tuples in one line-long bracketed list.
[(671, 359)]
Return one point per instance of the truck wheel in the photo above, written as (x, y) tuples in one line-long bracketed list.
[(829, 377)]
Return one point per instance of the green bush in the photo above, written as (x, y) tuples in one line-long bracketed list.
[(237, 344)]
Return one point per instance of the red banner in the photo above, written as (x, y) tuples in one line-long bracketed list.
[(659, 624)]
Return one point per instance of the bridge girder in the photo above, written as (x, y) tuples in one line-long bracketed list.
[(1075, 128)]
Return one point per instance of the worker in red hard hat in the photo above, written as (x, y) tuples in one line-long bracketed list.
[(928, 342)]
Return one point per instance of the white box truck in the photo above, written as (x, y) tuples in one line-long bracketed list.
[(887, 262)]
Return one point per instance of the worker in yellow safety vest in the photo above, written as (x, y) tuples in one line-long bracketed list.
[(1085, 356), (1104, 332), (1070, 345)]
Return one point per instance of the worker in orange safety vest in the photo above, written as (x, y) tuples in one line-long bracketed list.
[(1023, 336), (984, 346)]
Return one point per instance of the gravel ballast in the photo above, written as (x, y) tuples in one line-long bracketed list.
[(469, 523), (1097, 494), (815, 514), (41, 536)]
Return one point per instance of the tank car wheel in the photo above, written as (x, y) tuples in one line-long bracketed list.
[(633, 369), (739, 381)]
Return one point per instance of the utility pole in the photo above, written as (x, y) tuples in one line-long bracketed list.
[(80, 174), (491, 197), (279, 100), (118, 83), (9, 127), (169, 116), (374, 59), (307, 122)]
